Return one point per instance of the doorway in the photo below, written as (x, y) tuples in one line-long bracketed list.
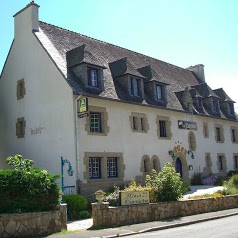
[(179, 167)]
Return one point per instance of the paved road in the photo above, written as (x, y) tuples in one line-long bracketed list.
[(221, 228)]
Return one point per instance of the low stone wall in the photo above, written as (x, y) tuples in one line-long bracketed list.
[(33, 224), (104, 215)]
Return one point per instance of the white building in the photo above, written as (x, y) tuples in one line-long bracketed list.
[(142, 112)]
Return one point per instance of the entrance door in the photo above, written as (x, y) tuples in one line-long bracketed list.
[(178, 167)]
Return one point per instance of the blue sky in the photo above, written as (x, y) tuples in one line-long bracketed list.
[(180, 32)]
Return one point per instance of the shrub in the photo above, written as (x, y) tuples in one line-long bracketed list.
[(196, 179), (231, 173), (231, 186), (167, 183), (209, 180), (84, 214), (220, 181), (113, 197), (28, 190), (75, 205)]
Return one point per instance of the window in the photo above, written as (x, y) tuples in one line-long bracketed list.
[(155, 163), (20, 127), (105, 167), (235, 161), (21, 91), (94, 167), (192, 141), (163, 127), (111, 167), (215, 105), (199, 101), (159, 92), (93, 77), (230, 108), (234, 135), (139, 122), (135, 86), (221, 163), (95, 122), (145, 165), (219, 134), (205, 130)]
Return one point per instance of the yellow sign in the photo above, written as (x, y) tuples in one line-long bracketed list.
[(134, 197), (83, 105)]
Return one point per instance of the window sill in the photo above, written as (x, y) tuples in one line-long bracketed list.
[(97, 133), (140, 131)]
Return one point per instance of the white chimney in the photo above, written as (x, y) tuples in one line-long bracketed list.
[(26, 20), (198, 71)]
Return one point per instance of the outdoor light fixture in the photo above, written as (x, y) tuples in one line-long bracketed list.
[(70, 173), (190, 167), (191, 153)]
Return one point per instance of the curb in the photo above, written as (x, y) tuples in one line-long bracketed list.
[(164, 227)]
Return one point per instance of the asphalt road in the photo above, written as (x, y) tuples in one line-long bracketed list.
[(225, 227)]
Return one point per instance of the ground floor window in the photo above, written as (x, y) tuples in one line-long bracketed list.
[(235, 161), (94, 167), (112, 167)]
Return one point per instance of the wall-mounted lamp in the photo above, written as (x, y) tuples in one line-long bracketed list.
[(171, 153), (190, 167), (70, 173), (191, 154)]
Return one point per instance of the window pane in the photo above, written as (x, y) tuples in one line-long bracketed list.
[(93, 77), (95, 122), (111, 167), (162, 125), (233, 135), (218, 134), (159, 92), (134, 84), (94, 167)]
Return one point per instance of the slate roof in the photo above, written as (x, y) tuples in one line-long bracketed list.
[(222, 95), (57, 41)]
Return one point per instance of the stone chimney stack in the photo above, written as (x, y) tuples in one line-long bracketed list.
[(198, 71), (26, 20)]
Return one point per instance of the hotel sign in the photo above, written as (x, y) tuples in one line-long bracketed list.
[(189, 125), (134, 197), (83, 107)]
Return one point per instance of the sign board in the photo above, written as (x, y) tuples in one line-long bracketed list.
[(189, 125), (83, 107), (134, 197)]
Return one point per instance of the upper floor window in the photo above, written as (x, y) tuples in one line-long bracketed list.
[(205, 130), (93, 77), (135, 86), (199, 101), (215, 105), (234, 134), (159, 92), (139, 122), (230, 108), (96, 122), (192, 140), (219, 133), (163, 127), (21, 90)]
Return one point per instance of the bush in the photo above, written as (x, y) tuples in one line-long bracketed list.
[(75, 205), (231, 173), (167, 184), (196, 179), (220, 181), (209, 180), (113, 197), (84, 214), (231, 186), (28, 190)]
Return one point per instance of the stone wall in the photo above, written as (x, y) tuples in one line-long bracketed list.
[(33, 224), (104, 215)]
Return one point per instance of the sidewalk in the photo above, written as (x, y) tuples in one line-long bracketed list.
[(82, 229)]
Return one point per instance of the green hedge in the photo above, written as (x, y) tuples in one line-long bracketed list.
[(28, 190)]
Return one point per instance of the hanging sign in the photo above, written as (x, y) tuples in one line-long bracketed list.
[(83, 107), (189, 125)]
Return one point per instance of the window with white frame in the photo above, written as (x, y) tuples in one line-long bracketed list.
[(94, 167), (93, 77), (112, 170)]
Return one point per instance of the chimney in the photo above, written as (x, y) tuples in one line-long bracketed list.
[(198, 71), (26, 20)]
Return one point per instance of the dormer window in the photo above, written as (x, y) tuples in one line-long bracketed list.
[(199, 101), (215, 105), (230, 108), (135, 86), (159, 92), (93, 77)]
